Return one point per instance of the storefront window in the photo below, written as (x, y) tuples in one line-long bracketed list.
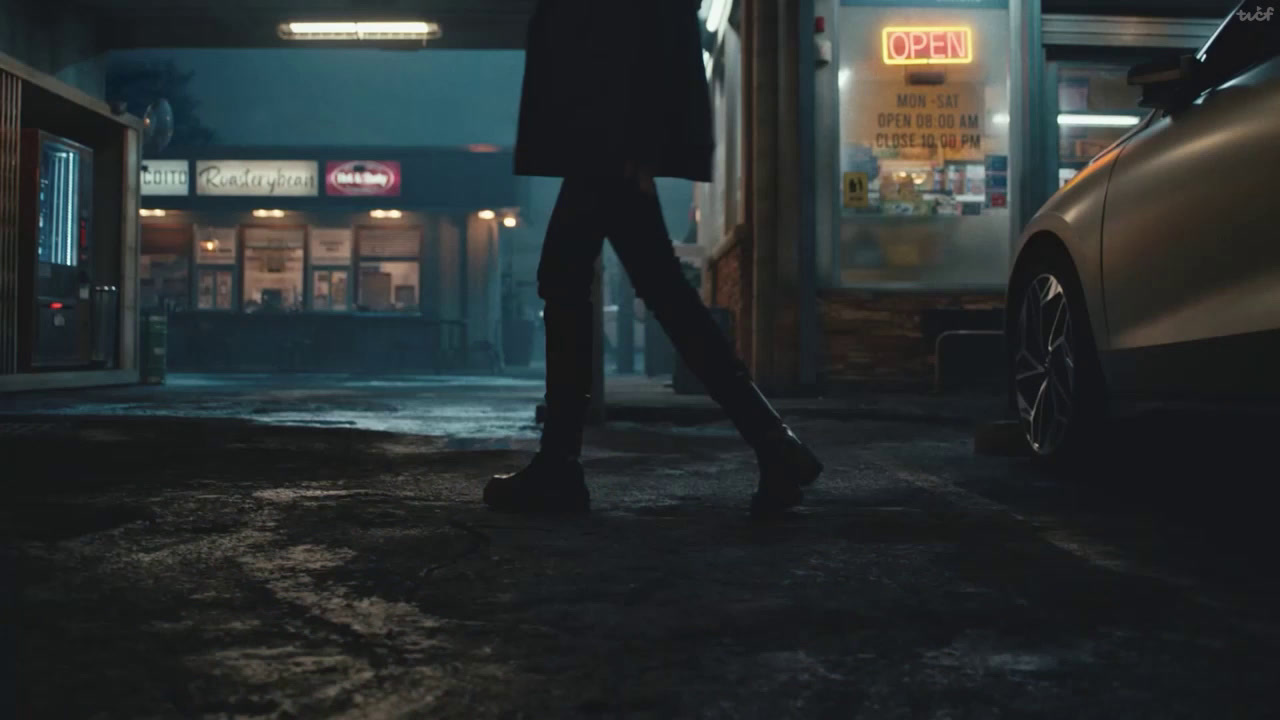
[(924, 145), (331, 253), (273, 268), (329, 290), (215, 252), (164, 269), (389, 271), (1096, 106)]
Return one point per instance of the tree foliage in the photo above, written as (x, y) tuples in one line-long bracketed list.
[(135, 84)]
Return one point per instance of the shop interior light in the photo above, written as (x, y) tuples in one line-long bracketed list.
[(386, 214), (487, 214), (268, 213), (1098, 120), (211, 245), (416, 30), (151, 213), (1000, 118), (716, 14), (509, 221)]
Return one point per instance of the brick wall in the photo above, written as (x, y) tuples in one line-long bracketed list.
[(877, 338), (729, 269)]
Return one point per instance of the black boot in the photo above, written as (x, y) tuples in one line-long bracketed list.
[(643, 245), (553, 483), (786, 464)]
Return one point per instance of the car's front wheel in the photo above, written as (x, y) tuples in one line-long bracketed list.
[(1055, 379)]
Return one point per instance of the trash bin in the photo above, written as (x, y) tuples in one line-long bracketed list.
[(155, 342), (106, 325)]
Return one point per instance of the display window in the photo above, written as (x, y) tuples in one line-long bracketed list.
[(389, 278), (329, 290), (214, 288), (216, 252), (1096, 107), (330, 252), (164, 267), (924, 123), (273, 268)]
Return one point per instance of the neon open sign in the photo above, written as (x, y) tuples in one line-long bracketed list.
[(927, 45)]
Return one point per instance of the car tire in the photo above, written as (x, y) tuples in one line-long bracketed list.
[(1055, 378)]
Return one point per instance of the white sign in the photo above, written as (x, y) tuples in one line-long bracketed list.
[(330, 246), (257, 178), (166, 177)]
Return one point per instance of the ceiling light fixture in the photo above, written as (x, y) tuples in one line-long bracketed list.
[(1098, 120), (487, 214), (421, 31)]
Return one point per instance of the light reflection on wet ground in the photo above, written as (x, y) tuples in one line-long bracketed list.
[(456, 407)]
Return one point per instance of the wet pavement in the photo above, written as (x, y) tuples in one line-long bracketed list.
[(219, 567), (454, 406)]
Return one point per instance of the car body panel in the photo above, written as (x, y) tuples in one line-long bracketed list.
[(1074, 215), (1191, 246)]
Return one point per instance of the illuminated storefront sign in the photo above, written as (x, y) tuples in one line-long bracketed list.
[(257, 178), (927, 45), (363, 178), (898, 120), (165, 177)]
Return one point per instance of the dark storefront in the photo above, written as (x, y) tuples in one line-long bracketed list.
[(326, 259)]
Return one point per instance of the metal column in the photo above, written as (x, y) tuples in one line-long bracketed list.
[(1027, 125)]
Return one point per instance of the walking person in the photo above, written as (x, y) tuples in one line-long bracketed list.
[(615, 94)]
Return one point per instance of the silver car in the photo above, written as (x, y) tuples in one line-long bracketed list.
[(1154, 273)]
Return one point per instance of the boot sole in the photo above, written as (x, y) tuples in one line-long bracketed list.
[(772, 506)]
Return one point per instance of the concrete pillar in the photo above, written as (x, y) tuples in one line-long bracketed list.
[(1027, 124)]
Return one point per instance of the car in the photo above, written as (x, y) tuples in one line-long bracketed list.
[(1154, 273)]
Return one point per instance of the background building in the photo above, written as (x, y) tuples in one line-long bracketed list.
[(927, 132)]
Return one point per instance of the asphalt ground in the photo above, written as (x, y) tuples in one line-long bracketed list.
[(221, 567)]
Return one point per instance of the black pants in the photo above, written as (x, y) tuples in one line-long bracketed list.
[(587, 211)]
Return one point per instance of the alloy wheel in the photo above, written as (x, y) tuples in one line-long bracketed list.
[(1044, 367)]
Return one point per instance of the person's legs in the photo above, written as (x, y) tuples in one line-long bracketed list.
[(640, 238), (553, 482)]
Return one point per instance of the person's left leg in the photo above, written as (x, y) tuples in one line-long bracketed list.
[(639, 235), (554, 482)]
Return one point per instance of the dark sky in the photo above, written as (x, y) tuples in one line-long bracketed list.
[(371, 97), (355, 97)]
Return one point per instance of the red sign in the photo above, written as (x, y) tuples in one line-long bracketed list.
[(927, 45), (362, 178)]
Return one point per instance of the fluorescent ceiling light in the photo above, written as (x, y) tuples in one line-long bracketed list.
[(716, 14), (359, 31), (1098, 120)]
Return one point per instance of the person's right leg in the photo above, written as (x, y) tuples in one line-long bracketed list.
[(554, 481), (640, 237)]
